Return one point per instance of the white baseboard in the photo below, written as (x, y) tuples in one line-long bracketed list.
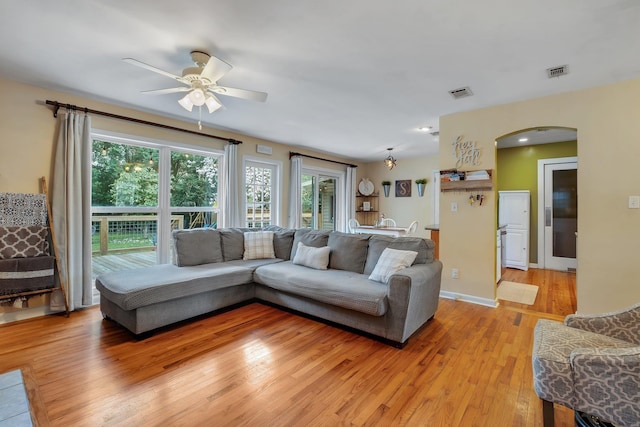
[(469, 298), (533, 265)]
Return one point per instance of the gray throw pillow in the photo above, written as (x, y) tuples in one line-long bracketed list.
[(197, 246), (348, 251)]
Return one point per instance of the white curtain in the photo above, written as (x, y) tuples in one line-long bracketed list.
[(230, 191), (71, 209), (349, 198), (295, 193)]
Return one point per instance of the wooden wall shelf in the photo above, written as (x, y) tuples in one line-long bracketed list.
[(468, 185)]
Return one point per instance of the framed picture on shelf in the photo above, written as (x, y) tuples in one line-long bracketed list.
[(403, 188), (366, 206)]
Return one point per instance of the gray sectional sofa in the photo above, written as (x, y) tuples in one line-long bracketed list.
[(210, 273)]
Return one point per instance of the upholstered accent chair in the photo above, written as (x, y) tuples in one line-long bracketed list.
[(590, 364)]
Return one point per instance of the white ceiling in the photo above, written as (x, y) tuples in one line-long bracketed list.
[(346, 77)]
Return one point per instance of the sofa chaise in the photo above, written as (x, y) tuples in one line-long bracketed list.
[(345, 279)]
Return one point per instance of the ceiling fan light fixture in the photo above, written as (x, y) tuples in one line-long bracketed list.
[(197, 97), (212, 103), (186, 102)]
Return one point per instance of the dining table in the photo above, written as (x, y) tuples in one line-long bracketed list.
[(386, 231)]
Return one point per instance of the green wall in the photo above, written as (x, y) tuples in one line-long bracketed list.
[(518, 170)]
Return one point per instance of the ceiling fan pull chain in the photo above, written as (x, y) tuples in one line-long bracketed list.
[(200, 117)]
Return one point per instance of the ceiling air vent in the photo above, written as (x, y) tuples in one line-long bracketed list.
[(463, 92), (557, 71)]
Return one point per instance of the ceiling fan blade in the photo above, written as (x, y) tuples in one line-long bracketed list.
[(240, 93), (165, 91), (215, 69), (151, 68)]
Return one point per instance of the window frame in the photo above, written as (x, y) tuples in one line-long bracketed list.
[(164, 208), (276, 186)]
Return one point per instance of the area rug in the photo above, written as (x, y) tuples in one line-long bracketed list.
[(517, 292), (14, 403)]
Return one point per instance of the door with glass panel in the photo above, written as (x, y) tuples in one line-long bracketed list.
[(560, 215), (319, 201)]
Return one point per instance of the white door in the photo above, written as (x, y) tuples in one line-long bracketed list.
[(514, 214), (560, 215)]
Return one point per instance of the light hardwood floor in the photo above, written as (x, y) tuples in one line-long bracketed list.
[(260, 366)]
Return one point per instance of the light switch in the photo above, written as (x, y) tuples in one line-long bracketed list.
[(634, 202), (454, 207)]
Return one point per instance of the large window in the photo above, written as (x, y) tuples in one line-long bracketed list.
[(143, 190), (261, 192)]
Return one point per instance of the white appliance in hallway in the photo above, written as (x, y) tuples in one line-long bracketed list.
[(513, 215)]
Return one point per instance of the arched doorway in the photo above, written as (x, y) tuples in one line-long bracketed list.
[(540, 163)]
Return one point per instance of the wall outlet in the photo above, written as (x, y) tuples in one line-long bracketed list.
[(454, 273), (454, 207), (634, 202)]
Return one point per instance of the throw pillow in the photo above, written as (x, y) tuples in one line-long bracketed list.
[(317, 258), (23, 242), (258, 245), (391, 261)]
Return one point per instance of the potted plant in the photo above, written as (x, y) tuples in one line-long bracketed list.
[(421, 182), (386, 185)]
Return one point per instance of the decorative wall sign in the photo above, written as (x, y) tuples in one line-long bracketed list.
[(465, 152), (403, 188)]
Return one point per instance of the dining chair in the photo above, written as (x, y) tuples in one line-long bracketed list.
[(387, 222), (411, 229), (353, 223)]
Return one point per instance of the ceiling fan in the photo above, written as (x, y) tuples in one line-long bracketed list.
[(201, 81)]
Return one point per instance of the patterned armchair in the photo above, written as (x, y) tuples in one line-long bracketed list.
[(590, 364)]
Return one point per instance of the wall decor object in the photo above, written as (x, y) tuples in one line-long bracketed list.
[(386, 185), (421, 183), (403, 188), (465, 152)]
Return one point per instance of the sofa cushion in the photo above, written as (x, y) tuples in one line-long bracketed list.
[(23, 242), (317, 258), (377, 244), (258, 245), (140, 287), (197, 246), (282, 241), (341, 288), (232, 241), (309, 237), (391, 261), (348, 251)]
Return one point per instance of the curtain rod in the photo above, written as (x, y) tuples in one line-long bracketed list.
[(293, 153), (57, 105)]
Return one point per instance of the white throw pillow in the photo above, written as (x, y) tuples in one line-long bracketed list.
[(258, 245), (391, 261), (308, 256)]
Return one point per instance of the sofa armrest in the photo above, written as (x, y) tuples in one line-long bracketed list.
[(413, 298), (623, 324)]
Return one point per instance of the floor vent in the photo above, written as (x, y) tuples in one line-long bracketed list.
[(463, 92), (557, 71), (571, 270)]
